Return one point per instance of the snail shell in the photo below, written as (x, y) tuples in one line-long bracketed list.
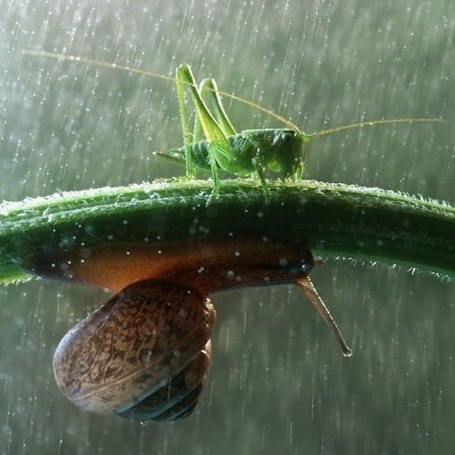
[(144, 355)]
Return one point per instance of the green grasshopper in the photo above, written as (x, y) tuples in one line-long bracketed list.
[(256, 152), (250, 152)]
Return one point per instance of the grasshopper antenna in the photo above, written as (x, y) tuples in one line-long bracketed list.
[(328, 131), (280, 118), (130, 69)]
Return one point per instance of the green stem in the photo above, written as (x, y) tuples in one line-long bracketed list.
[(336, 220)]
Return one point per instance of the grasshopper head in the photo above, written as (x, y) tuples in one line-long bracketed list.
[(286, 153)]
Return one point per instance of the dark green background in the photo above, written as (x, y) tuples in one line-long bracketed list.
[(278, 383)]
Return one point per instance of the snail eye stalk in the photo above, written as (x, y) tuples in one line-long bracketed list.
[(306, 284)]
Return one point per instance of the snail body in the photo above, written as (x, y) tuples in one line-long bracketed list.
[(145, 354), (207, 264)]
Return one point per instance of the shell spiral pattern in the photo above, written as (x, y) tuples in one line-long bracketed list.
[(144, 355)]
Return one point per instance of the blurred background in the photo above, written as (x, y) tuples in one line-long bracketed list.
[(278, 383)]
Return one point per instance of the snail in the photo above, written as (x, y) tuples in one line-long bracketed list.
[(145, 354)]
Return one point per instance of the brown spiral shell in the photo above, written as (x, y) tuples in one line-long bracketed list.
[(143, 355)]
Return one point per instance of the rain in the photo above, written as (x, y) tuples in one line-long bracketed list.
[(278, 382)]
